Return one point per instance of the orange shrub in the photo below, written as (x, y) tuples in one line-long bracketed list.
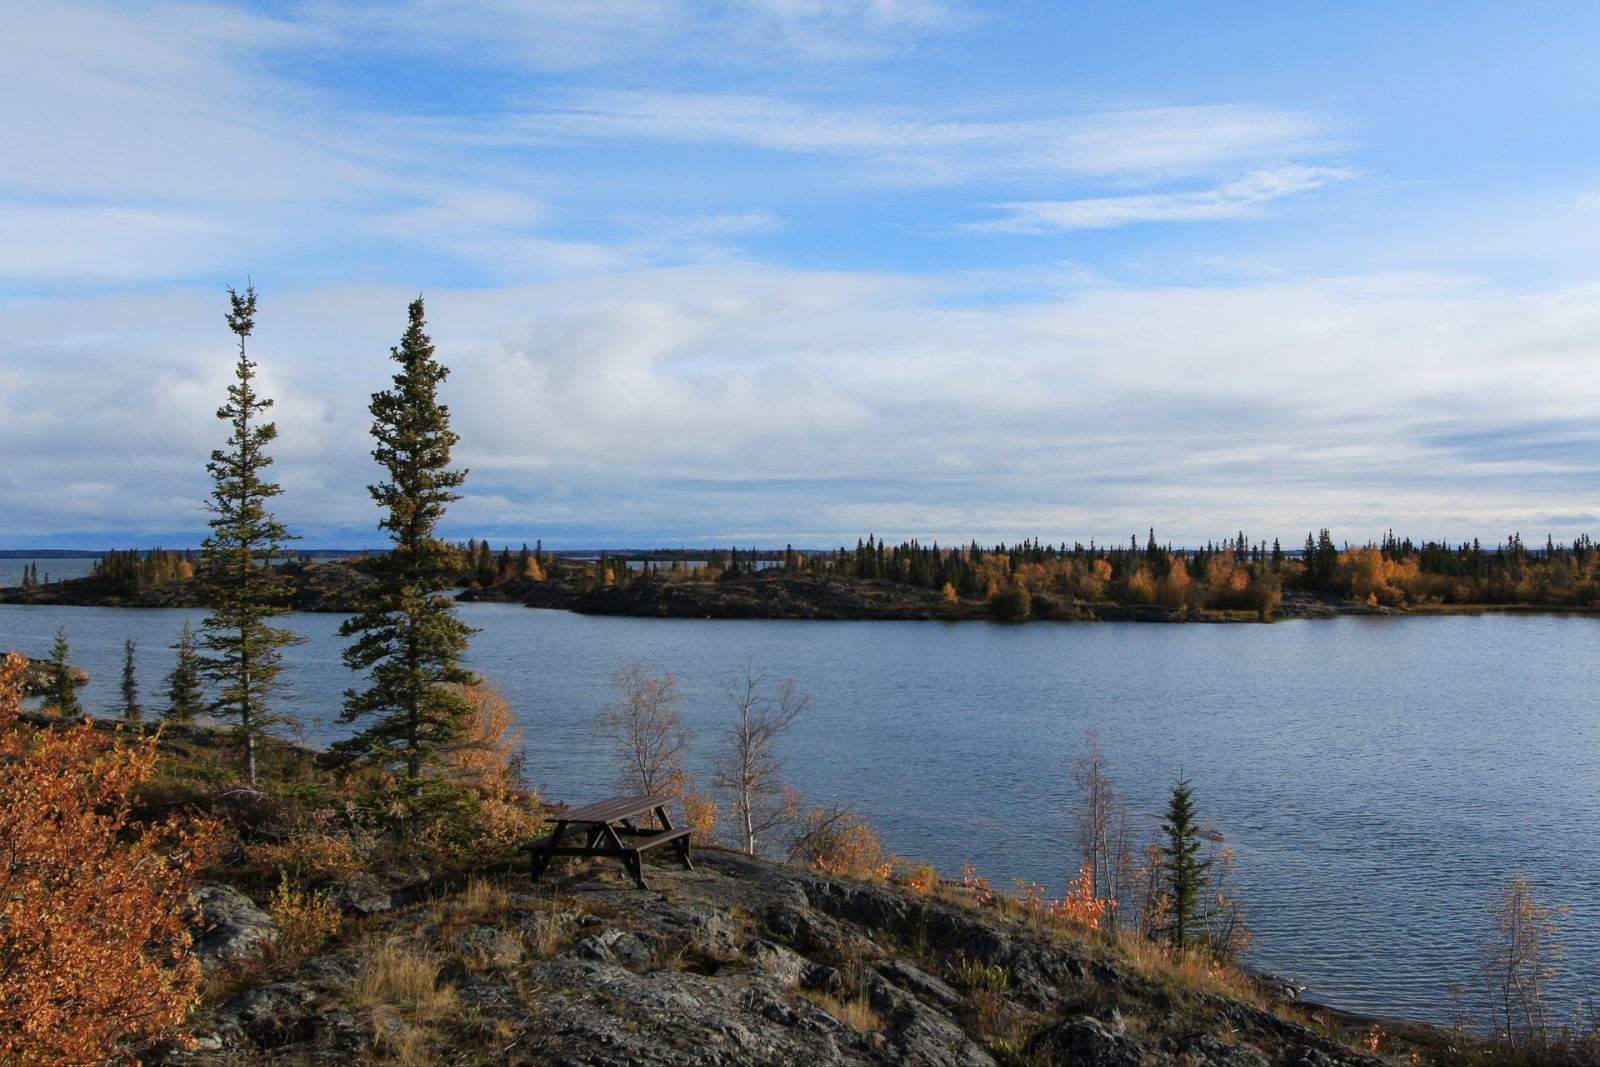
[(701, 813), (94, 913), (838, 841), (488, 761), (312, 852), (1078, 907)]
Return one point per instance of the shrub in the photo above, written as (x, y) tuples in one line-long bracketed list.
[(306, 920), (974, 976), (1011, 603), (837, 841), (94, 946), (921, 879), (701, 813), (311, 853)]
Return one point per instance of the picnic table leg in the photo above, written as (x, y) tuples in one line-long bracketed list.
[(680, 846), (539, 859), (631, 860), (635, 865)]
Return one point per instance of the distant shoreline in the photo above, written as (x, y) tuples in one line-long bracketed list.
[(336, 587)]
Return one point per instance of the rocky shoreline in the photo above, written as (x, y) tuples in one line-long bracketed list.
[(343, 587), (775, 595), (741, 961)]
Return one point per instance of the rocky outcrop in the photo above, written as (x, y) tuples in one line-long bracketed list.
[(775, 594), (229, 927), (40, 674), (738, 962)]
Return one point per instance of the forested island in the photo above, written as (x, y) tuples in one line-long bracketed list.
[(1234, 580)]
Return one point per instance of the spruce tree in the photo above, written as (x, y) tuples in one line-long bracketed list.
[(1186, 871), (245, 653), (131, 711), (184, 702), (408, 640), (63, 691)]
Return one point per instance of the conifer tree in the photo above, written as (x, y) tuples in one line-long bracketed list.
[(184, 702), (1186, 871), (408, 640), (131, 711), (63, 690), (245, 653)]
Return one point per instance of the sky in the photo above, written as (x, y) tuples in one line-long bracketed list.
[(794, 271)]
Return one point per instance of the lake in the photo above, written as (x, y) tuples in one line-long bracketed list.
[(1380, 778)]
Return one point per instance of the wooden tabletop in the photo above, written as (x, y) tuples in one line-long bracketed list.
[(613, 809)]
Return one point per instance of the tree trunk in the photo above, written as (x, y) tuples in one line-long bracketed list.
[(244, 717)]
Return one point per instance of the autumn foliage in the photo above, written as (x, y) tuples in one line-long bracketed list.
[(837, 841), (94, 915)]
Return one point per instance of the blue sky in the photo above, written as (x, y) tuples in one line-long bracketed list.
[(797, 270)]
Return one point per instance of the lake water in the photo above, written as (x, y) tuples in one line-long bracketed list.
[(1380, 778)]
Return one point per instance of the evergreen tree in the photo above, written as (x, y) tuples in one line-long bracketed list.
[(184, 702), (63, 691), (236, 561), (408, 639), (1186, 871), (131, 711)]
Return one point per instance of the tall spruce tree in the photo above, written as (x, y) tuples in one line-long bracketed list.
[(1187, 876), (131, 710), (62, 693), (409, 641), (184, 702), (244, 652)]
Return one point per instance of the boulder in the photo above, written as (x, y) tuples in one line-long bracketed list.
[(1088, 1042), (229, 927)]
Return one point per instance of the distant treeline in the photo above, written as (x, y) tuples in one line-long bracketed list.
[(1236, 573)]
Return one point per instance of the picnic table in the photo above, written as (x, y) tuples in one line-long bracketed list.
[(611, 828)]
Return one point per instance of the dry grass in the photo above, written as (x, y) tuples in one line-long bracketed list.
[(544, 936), (480, 901), (1188, 970), (399, 975), (855, 1012)]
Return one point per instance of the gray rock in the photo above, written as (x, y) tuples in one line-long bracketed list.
[(919, 1034), (783, 964), (920, 983), (1313, 1057), (721, 966), (1087, 1042), (271, 1015), (822, 978), (1204, 1050), (230, 928)]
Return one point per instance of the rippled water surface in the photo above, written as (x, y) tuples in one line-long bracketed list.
[(1379, 778)]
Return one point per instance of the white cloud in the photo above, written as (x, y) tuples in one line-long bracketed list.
[(1244, 197), (567, 35), (808, 406), (906, 147), (54, 243)]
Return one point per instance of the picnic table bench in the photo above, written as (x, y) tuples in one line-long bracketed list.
[(611, 828)]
